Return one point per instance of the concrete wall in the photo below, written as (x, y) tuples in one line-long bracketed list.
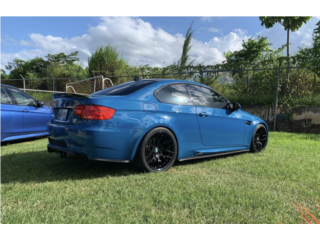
[(290, 119)]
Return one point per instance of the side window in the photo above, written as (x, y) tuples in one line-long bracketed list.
[(22, 98), (205, 97), (5, 99), (175, 93)]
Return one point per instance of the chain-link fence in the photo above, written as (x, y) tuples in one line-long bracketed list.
[(286, 105), (43, 89), (40, 89)]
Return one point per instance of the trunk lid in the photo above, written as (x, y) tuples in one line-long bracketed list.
[(64, 104)]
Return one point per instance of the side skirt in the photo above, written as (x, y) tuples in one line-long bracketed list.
[(28, 135), (212, 155), (109, 160)]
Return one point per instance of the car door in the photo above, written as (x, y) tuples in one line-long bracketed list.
[(11, 116), (218, 125), (178, 108), (34, 118)]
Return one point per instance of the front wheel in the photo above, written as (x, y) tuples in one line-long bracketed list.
[(259, 139), (157, 151)]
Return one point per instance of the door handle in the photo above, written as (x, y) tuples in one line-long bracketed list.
[(204, 114), (248, 122), (25, 110)]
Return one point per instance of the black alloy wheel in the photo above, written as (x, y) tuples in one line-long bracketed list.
[(259, 139), (157, 151)]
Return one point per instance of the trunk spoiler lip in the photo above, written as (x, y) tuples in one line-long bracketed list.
[(69, 95)]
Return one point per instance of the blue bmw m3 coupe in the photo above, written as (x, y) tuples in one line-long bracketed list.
[(152, 123)]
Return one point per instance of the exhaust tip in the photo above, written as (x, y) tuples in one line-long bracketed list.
[(63, 155)]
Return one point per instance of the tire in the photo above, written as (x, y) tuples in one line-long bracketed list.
[(259, 139), (157, 151)]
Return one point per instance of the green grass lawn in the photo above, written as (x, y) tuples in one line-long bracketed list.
[(38, 187)]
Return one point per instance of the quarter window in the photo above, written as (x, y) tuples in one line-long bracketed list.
[(5, 99), (175, 93), (205, 97), (22, 98)]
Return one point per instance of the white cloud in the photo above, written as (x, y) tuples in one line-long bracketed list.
[(211, 29), (136, 39), (8, 40), (206, 19), (240, 31)]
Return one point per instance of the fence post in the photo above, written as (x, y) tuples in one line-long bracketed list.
[(94, 87), (24, 83), (276, 103), (201, 73), (53, 82)]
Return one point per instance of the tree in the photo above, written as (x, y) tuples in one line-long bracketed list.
[(316, 33), (3, 74), (39, 68), (58, 65), (62, 58), (34, 67), (310, 57), (16, 63), (106, 61), (289, 24), (69, 70), (255, 53), (182, 63), (250, 55)]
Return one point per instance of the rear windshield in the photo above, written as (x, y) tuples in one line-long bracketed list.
[(124, 89)]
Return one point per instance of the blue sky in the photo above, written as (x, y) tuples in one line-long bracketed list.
[(156, 41)]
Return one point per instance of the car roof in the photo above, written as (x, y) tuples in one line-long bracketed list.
[(4, 85)]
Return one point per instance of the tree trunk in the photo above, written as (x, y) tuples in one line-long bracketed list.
[(315, 83), (288, 61), (248, 82)]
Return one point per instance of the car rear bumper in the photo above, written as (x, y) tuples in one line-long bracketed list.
[(52, 148), (95, 143)]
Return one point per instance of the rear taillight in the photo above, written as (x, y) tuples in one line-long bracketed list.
[(78, 110), (94, 112)]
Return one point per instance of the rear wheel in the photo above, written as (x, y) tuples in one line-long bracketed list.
[(157, 151), (259, 139)]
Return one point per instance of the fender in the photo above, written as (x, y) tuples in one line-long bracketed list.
[(148, 130)]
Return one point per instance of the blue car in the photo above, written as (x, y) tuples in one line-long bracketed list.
[(152, 123), (21, 115)]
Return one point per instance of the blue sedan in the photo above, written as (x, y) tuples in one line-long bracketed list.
[(21, 115), (152, 123)]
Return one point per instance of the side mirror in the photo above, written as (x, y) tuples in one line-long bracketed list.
[(234, 106), (40, 103)]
